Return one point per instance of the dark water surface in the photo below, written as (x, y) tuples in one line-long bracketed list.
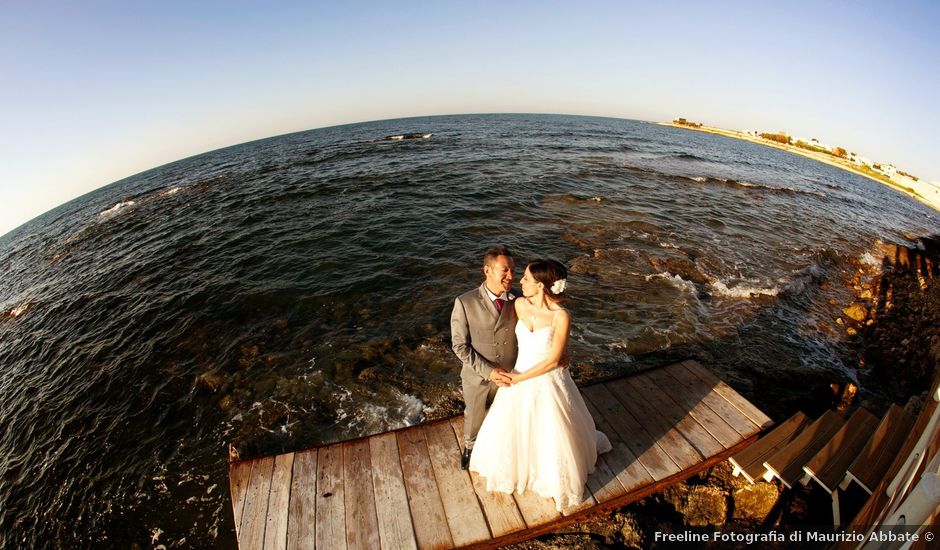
[(241, 294)]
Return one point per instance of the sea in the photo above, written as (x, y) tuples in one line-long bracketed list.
[(294, 291)]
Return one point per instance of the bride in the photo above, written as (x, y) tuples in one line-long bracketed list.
[(538, 434)]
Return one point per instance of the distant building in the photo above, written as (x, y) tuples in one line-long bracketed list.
[(860, 160), (886, 169)]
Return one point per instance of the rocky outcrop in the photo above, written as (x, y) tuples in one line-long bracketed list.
[(755, 502), (900, 330), (699, 505)]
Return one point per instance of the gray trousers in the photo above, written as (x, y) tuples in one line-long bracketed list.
[(477, 398)]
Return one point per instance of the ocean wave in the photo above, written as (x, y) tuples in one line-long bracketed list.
[(750, 186), (362, 414), (401, 137), (870, 260), (676, 281), (117, 208), (741, 290), (569, 197), (685, 156)]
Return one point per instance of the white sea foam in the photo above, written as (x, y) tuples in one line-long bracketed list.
[(169, 192), (676, 281), (741, 290), (116, 208), (870, 260), (400, 411)]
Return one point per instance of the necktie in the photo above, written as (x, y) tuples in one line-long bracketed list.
[(499, 304)]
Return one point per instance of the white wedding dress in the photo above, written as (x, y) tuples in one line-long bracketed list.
[(538, 435)]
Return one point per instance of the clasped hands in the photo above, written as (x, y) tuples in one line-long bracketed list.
[(501, 377)]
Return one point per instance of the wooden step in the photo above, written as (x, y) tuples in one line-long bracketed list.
[(750, 461), (872, 462), (829, 464), (881, 499), (787, 463)]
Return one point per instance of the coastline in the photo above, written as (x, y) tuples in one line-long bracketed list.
[(824, 158)]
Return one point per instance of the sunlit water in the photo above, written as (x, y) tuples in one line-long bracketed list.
[(279, 270)]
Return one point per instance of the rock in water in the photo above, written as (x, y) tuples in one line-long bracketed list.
[(857, 312)]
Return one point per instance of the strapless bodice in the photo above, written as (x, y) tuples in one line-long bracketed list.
[(533, 345)]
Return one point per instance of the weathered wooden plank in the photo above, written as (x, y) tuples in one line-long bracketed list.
[(362, 524), (238, 475), (302, 518), (430, 520), (275, 530), (750, 461), (396, 531), (653, 458), (787, 464), (536, 509), (873, 461), (331, 509), (588, 502), (677, 415), (721, 406), (256, 504), (618, 471), (692, 401), (829, 464), (726, 391), (672, 442), (500, 509), (461, 507)]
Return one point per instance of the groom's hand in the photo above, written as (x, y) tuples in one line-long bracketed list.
[(498, 376)]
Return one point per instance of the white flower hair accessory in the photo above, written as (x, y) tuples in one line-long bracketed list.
[(559, 286)]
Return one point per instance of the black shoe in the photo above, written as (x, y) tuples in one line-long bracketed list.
[(465, 459)]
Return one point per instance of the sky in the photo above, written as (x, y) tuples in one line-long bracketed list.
[(92, 92)]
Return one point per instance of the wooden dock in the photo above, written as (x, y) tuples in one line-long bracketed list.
[(405, 489)]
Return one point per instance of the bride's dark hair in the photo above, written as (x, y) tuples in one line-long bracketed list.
[(548, 272)]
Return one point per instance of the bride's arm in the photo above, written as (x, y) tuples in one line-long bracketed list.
[(561, 324)]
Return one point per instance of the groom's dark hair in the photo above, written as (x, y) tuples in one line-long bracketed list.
[(494, 253)]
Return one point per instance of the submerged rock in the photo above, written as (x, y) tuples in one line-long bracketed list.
[(211, 381)]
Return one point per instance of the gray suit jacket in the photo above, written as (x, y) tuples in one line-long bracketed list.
[(482, 337)]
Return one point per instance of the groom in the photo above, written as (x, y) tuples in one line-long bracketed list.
[(482, 328)]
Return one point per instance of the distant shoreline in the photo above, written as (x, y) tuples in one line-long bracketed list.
[(824, 158)]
